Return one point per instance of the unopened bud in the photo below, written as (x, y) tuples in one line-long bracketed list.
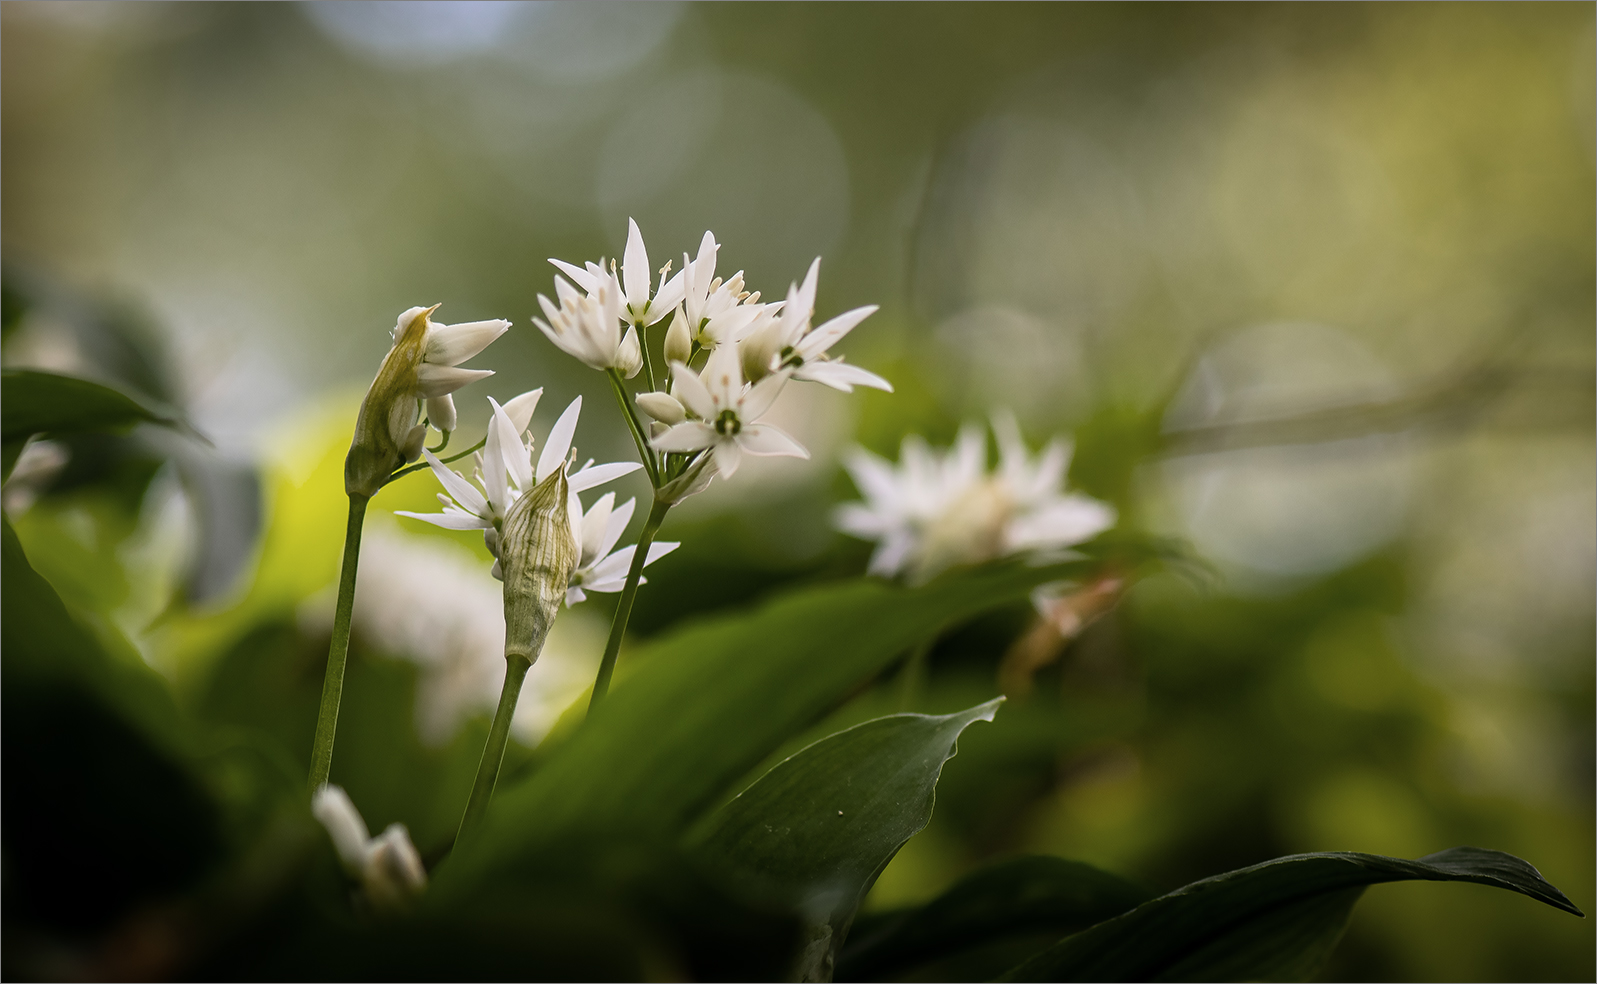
[(662, 407), (678, 339), (629, 357), (536, 555)]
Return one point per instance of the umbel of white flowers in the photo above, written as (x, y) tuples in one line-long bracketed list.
[(937, 509), (422, 366), (387, 866), (709, 413), (505, 475)]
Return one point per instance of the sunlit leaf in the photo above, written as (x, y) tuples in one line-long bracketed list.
[(1011, 903), (1273, 921), (817, 829)]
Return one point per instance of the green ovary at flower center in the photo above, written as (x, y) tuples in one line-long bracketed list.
[(728, 424)]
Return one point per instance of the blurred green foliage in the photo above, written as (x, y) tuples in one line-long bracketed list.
[(1138, 182)]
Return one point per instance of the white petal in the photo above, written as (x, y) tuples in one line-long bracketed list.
[(892, 554), (579, 276), (629, 355), (450, 345), (450, 520), (690, 435), (841, 376), (575, 596), (691, 392), (611, 569), (831, 332), (635, 269), (434, 380), (595, 475), (858, 520), (510, 463), (441, 412), (760, 397), (570, 343), (723, 376), (768, 439), (1063, 523), (558, 445), (595, 524), (456, 485), (662, 407), (727, 458), (658, 550), (615, 526), (667, 297), (520, 409), (332, 806)]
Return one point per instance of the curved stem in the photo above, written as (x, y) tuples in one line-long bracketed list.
[(443, 442), (645, 453), (338, 651), (618, 625), (493, 753), (396, 476)]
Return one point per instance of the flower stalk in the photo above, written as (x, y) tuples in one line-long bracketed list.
[(618, 625), (493, 753), (338, 650)]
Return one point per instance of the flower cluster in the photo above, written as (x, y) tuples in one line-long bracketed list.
[(938, 509), (505, 472), (729, 356)]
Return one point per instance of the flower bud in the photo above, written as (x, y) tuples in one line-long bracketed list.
[(629, 357), (662, 407), (537, 553), (691, 482), (678, 340)]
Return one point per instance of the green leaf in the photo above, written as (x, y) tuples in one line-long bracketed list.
[(33, 402), (1010, 904), (709, 702), (1273, 921), (816, 830)]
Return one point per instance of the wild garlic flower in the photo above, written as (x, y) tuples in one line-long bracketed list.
[(638, 307), (787, 341), (422, 365), (588, 326), (505, 472), (935, 510), (719, 412), (387, 866), (601, 568)]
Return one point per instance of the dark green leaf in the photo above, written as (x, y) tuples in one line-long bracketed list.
[(1010, 903), (816, 829), (33, 402), (707, 704), (1272, 921)]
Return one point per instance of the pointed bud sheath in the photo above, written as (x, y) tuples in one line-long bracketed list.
[(629, 357), (537, 553), (389, 412), (678, 340)]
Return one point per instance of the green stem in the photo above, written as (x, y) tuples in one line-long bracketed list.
[(338, 651), (493, 754), (618, 625), (635, 428), (648, 362), (396, 476)]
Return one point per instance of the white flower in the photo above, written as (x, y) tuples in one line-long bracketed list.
[(937, 510), (599, 569), (387, 866), (588, 326), (725, 409), (638, 307), (505, 470), (423, 364), (787, 341)]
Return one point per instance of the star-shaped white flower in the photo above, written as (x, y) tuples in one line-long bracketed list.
[(935, 510), (726, 408), (638, 307), (588, 326), (505, 470), (789, 342), (600, 569)]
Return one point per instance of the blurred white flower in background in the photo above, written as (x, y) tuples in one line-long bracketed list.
[(433, 603), (938, 509)]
